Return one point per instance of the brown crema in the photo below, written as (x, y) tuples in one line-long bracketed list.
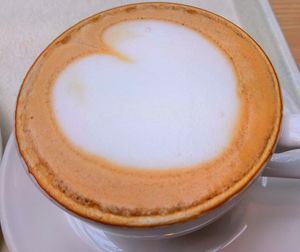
[(105, 192)]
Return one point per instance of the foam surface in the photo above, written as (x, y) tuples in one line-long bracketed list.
[(170, 100)]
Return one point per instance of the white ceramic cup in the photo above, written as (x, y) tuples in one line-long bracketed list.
[(281, 165)]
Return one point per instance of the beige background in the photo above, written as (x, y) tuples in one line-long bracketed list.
[(287, 12)]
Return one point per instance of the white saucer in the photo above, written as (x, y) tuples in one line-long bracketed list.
[(267, 219)]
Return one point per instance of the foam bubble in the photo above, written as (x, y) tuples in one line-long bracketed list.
[(174, 103)]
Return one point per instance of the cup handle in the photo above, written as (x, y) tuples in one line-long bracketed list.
[(285, 162)]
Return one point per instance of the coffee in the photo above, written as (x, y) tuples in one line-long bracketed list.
[(148, 114)]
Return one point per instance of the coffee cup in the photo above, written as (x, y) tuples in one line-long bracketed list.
[(149, 120)]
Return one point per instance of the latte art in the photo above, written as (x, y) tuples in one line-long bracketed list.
[(148, 114), (171, 103)]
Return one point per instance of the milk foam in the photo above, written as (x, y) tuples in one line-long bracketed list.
[(170, 102)]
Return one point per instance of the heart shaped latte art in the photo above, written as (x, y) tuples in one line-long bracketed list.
[(169, 100)]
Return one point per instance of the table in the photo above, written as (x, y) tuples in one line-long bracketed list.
[(288, 15)]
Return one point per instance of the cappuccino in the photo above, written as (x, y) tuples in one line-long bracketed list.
[(148, 114)]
